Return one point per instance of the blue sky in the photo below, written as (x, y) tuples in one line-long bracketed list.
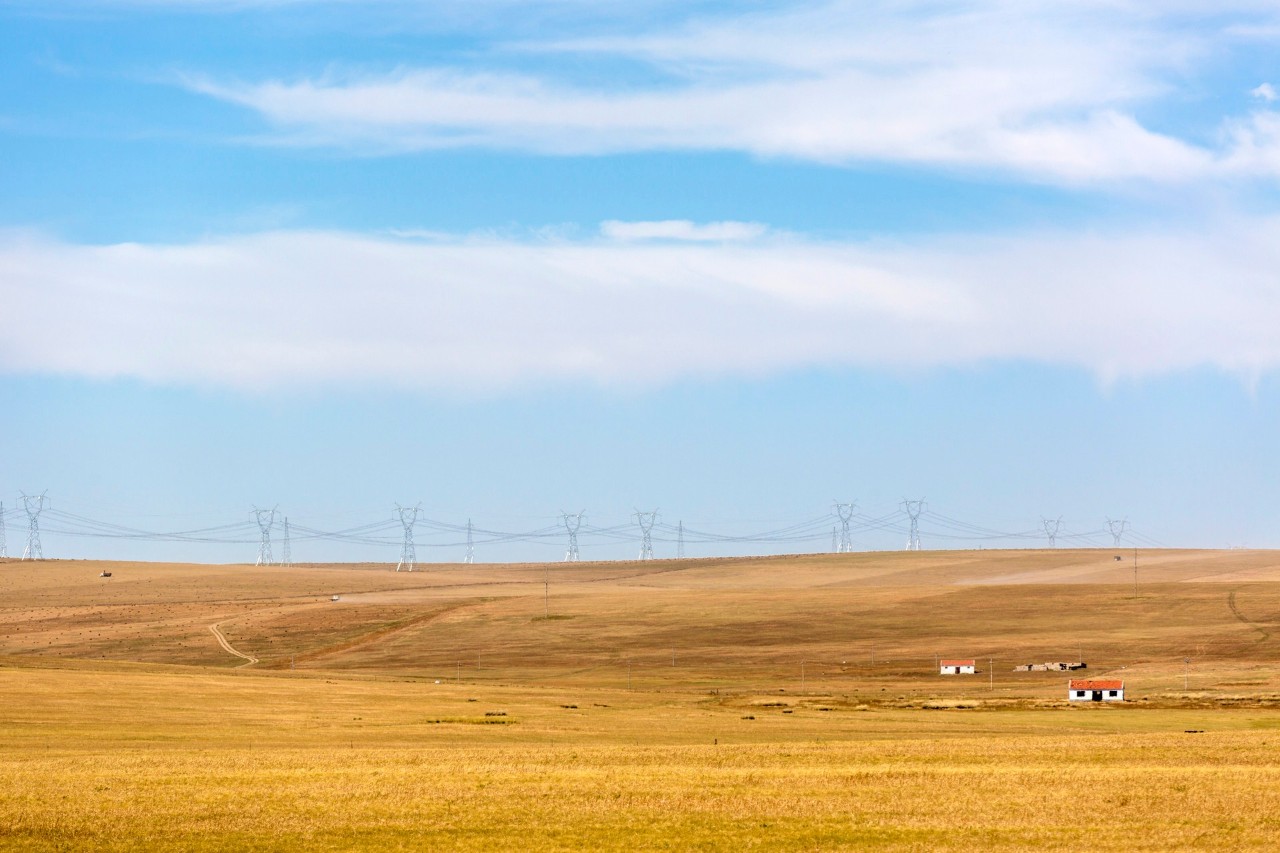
[(734, 261)]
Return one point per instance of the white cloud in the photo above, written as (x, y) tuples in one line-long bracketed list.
[(1042, 89), (286, 308), (1265, 92), (682, 229)]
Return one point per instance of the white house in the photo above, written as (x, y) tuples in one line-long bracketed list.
[(1095, 690), (956, 667)]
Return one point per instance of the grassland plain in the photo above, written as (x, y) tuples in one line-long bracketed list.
[(780, 703)]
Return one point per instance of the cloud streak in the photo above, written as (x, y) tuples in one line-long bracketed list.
[(1043, 90), (284, 309)]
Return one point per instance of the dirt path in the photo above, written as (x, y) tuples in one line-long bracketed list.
[(1231, 603), (250, 660)]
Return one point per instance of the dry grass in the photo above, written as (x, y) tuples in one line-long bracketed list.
[(438, 710)]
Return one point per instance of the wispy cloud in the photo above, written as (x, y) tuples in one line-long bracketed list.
[(1044, 90), (682, 229), (284, 308)]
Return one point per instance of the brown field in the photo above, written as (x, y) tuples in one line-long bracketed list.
[(725, 704)]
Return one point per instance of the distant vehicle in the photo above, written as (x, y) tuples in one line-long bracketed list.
[(335, 598)]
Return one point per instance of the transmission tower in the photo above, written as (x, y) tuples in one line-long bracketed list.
[(680, 541), (646, 520), (571, 524), (408, 554), (4, 550), (286, 554), (1051, 526), (266, 519), (913, 510), (471, 547), (34, 505), (1117, 528), (845, 513)]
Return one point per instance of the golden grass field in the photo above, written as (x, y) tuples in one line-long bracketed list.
[(787, 703)]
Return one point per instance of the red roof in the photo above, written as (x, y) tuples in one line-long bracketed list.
[(956, 663), (1091, 684)]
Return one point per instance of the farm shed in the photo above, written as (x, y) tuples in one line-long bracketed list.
[(1095, 690), (956, 667)]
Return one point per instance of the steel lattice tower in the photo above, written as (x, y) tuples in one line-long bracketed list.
[(286, 554), (408, 553), (1051, 526), (471, 546), (571, 525), (680, 541), (845, 513), (1117, 528), (913, 509), (266, 519), (646, 520), (33, 506), (4, 549), (835, 540)]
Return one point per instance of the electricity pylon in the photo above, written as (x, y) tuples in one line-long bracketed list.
[(1051, 526), (4, 549), (33, 505), (680, 541), (1117, 528), (845, 513), (471, 546), (571, 524), (266, 519), (913, 510), (646, 520), (408, 554), (286, 552)]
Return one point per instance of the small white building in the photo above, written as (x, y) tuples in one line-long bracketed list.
[(1095, 690), (956, 667)]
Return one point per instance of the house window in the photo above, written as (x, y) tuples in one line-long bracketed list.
[(1113, 692)]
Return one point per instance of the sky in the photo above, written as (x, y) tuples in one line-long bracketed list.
[(733, 262)]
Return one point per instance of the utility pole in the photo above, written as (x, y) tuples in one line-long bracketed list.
[(408, 552), (646, 520), (571, 525), (845, 513), (1051, 526), (33, 506), (1116, 528), (1135, 572), (266, 519), (913, 509), (4, 552)]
